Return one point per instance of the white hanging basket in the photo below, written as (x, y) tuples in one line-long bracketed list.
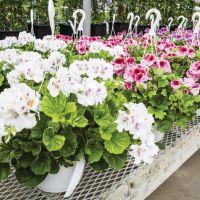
[(65, 180), (198, 112)]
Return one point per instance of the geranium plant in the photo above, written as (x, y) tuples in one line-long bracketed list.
[(58, 105)]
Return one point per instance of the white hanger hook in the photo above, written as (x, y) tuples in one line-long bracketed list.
[(131, 18), (154, 21), (181, 25), (170, 20), (75, 16), (51, 11)]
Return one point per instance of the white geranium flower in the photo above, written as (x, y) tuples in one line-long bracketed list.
[(56, 60), (25, 38), (17, 103), (28, 70), (78, 68), (49, 44), (41, 45), (8, 42), (60, 83), (96, 47), (99, 68), (143, 153), (92, 94), (10, 56), (93, 68), (29, 56), (139, 123)]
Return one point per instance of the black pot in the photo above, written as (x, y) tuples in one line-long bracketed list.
[(98, 30), (4, 34), (40, 30), (65, 29)]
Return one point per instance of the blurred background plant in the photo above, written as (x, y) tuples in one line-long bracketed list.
[(14, 14)]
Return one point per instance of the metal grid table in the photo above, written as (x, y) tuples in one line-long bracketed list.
[(93, 184)]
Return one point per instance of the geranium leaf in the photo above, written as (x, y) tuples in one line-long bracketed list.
[(54, 107), (51, 141), (28, 178), (4, 171), (94, 151), (107, 131), (42, 165), (6, 155), (118, 143), (71, 143), (115, 161)]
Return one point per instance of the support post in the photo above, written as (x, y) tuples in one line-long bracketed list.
[(87, 22)]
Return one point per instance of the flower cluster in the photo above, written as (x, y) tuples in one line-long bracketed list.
[(17, 106), (80, 78), (138, 122)]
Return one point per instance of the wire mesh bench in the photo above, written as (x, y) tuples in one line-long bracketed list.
[(132, 182)]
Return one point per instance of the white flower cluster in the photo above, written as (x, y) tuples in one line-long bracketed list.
[(18, 105), (30, 66), (9, 56), (49, 44), (8, 42), (79, 79), (96, 47), (139, 123), (25, 38)]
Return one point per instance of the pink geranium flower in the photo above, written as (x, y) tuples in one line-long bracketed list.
[(175, 84), (191, 53), (183, 51), (128, 86), (195, 88), (165, 65), (149, 60), (194, 71), (140, 73)]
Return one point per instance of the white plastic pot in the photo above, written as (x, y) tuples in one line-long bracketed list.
[(65, 180), (198, 112)]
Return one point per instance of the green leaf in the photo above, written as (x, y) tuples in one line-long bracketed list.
[(102, 115), (51, 141), (71, 143), (26, 160), (70, 107), (4, 171), (115, 161), (118, 143), (164, 92), (157, 112), (165, 125), (6, 155), (54, 107), (99, 166), (55, 167), (107, 131), (94, 151), (37, 131), (42, 165), (1, 79), (80, 122), (31, 146), (163, 83), (152, 93), (28, 178)]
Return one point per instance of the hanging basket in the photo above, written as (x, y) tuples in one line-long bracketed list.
[(65, 180)]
